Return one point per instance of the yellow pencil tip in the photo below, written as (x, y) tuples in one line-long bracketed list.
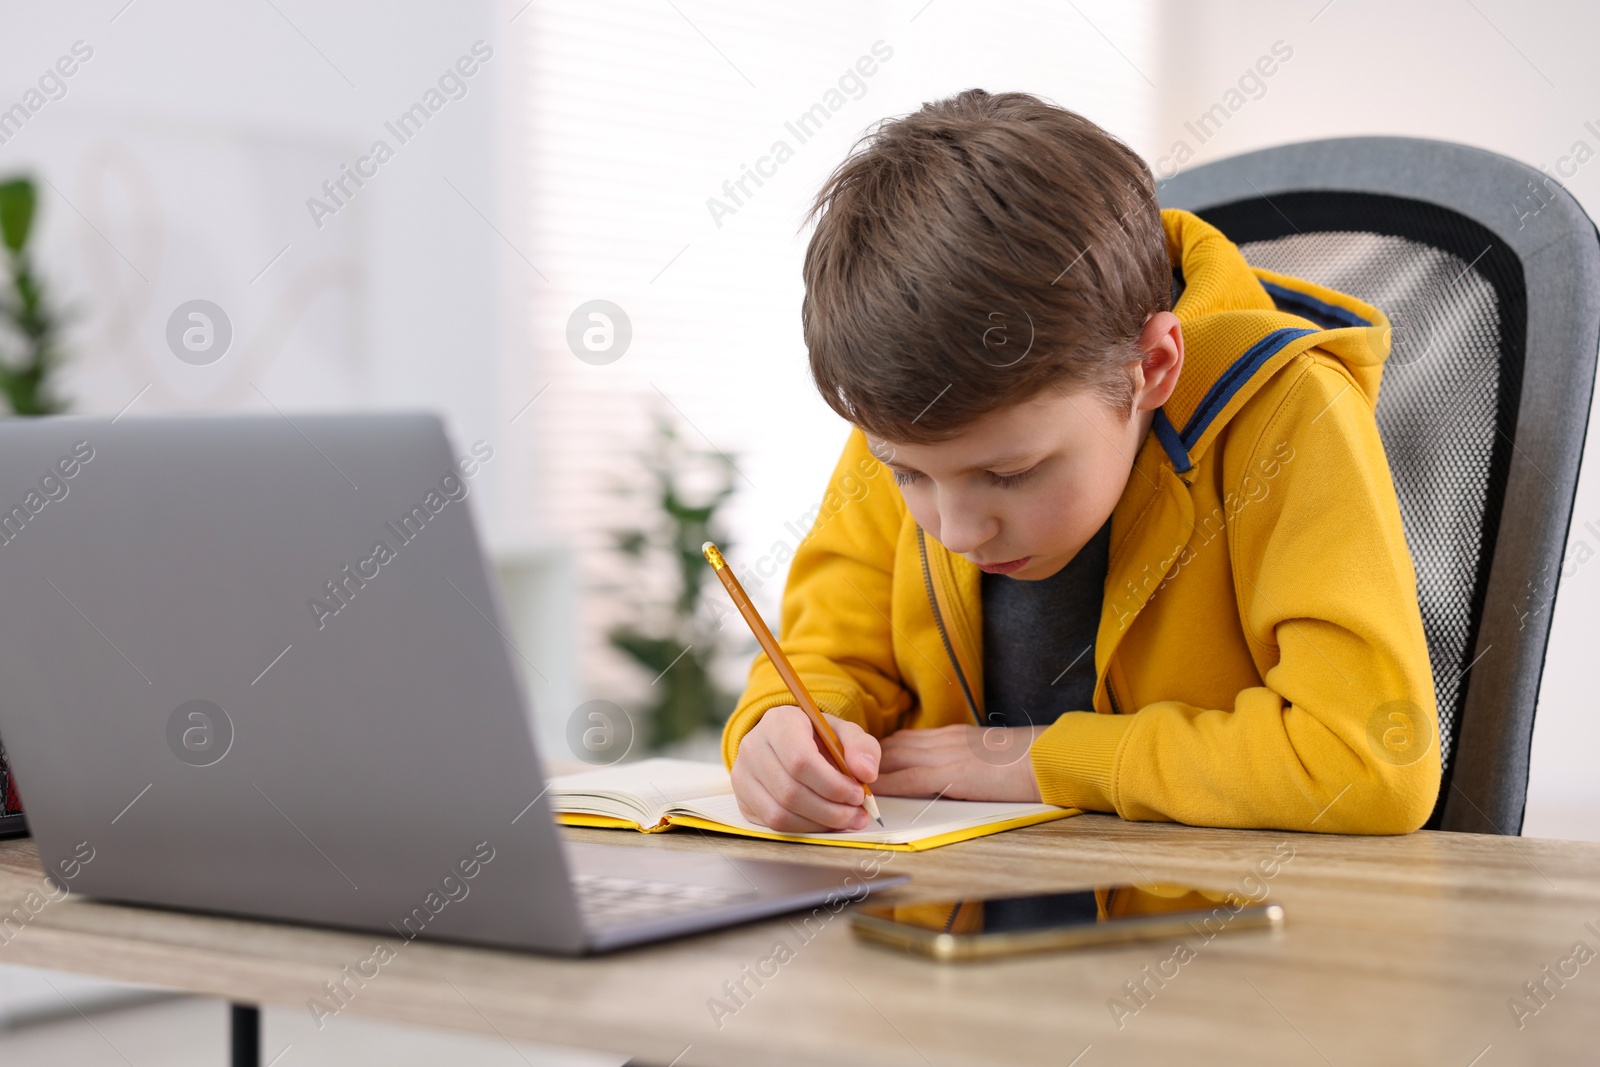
[(713, 555)]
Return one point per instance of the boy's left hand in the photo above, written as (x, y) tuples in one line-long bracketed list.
[(960, 762)]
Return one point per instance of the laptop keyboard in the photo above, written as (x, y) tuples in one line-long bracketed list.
[(610, 900)]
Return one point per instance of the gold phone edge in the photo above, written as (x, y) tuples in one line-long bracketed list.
[(948, 947)]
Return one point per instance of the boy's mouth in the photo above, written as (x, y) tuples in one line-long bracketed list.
[(1005, 568)]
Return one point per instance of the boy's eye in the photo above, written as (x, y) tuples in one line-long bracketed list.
[(1006, 481), (905, 477)]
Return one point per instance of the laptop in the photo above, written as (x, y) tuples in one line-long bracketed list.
[(257, 666)]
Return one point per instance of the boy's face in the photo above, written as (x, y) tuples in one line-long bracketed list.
[(1020, 491)]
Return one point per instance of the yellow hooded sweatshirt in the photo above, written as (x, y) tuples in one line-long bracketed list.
[(1260, 658)]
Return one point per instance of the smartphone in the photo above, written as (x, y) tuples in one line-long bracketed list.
[(971, 928)]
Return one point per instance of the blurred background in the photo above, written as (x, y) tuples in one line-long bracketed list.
[(570, 230)]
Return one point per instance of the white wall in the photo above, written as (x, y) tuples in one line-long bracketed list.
[(182, 162), (1514, 78)]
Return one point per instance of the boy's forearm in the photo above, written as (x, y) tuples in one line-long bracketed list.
[(1305, 749), (1263, 764), (1073, 760)]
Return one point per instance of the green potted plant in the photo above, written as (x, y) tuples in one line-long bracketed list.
[(30, 354), (670, 635)]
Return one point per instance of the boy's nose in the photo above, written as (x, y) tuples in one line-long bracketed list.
[(962, 535)]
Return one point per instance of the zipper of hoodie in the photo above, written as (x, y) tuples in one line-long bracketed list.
[(944, 634)]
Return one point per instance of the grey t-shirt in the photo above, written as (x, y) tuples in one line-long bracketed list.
[(1038, 639)]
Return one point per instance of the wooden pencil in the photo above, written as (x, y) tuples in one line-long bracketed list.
[(786, 671)]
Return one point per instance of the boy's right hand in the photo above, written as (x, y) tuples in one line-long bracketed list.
[(784, 780)]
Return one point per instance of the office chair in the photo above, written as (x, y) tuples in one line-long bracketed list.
[(1489, 272)]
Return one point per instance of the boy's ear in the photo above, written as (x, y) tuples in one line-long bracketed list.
[(1160, 361)]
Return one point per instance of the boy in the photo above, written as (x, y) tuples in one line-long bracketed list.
[(1143, 554)]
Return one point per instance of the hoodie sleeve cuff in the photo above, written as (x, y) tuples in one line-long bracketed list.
[(1074, 760), (742, 721)]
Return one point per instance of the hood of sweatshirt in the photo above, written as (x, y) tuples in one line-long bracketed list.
[(1241, 325)]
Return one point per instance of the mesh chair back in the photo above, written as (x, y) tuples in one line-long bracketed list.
[(1490, 284)]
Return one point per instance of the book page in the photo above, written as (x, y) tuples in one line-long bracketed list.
[(645, 790), (905, 819)]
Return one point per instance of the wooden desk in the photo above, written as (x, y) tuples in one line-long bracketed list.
[(1396, 951)]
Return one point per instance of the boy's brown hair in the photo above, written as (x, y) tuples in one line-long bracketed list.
[(973, 253)]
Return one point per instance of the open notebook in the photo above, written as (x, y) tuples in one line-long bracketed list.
[(658, 794)]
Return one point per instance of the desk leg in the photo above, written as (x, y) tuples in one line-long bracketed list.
[(244, 1025)]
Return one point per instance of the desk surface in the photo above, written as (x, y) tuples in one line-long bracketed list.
[(1396, 950)]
